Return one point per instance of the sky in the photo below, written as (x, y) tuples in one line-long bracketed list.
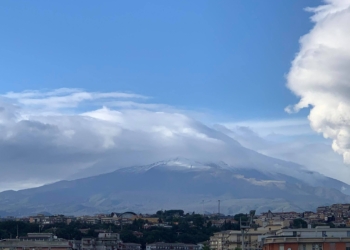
[(84, 83)]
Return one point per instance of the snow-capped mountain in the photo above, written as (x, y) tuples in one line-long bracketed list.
[(180, 164), (189, 184)]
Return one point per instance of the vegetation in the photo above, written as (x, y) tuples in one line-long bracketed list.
[(181, 227), (299, 223), (187, 228), (8, 229)]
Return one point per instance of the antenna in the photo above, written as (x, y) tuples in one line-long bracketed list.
[(219, 207), (203, 207)]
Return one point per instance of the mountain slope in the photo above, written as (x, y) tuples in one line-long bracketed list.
[(180, 183)]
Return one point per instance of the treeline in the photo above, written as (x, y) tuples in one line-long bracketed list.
[(186, 228)]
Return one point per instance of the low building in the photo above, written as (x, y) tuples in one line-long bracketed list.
[(129, 246), (36, 241), (105, 241), (172, 246)]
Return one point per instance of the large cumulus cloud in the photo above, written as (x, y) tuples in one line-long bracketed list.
[(320, 74)]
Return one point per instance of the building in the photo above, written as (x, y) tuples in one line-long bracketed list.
[(337, 213), (171, 246), (320, 231), (277, 219), (230, 240), (130, 246), (45, 220), (105, 241), (36, 241), (319, 238), (292, 243)]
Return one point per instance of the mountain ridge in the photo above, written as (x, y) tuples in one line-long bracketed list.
[(177, 183)]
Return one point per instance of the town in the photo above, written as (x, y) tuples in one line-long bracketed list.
[(326, 228)]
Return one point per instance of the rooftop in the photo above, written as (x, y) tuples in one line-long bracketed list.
[(282, 239)]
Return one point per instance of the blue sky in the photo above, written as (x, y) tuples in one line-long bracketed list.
[(229, 57)]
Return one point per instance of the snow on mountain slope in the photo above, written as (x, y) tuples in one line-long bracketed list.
[(181, 183), (180, 164), (277, 173)]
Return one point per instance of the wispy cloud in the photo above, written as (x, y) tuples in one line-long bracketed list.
[(309, 150), (65, 97), (281, 126)]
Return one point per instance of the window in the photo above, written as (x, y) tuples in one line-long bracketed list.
[(317, 247), (348, 233), (281, 247), (302, 247)]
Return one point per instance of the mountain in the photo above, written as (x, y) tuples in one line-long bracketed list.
[(186, 184)]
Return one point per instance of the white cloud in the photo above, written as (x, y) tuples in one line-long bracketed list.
[(309, 150), (42, 141), (320, 74), (48, 141), (65, 97), (282, 126)]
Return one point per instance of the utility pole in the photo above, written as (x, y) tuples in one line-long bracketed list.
[(246, 227), (17, 232), (243, 232)]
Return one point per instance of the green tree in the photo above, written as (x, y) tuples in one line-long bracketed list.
[(299, 223), (243, 217), (206, 247)]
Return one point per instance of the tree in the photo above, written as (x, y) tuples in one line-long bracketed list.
[(206, 247), (209, 224), (299, 223), (243, 217)]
